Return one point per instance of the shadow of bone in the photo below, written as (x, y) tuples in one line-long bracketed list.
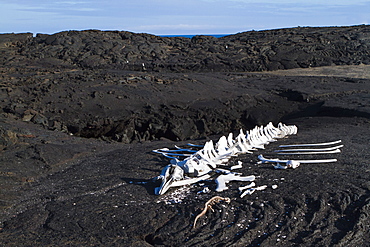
[(148, 184)]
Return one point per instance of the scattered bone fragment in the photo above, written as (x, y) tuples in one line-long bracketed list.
[(263, 187), (289, 164), (238, 166), (222, 180), (248, 192), (274, 186), (247, 186), (208, 205), (252, 190)]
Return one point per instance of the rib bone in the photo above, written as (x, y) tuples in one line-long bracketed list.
[(311, 144), (302, 153), (311, 149), (264, 160)]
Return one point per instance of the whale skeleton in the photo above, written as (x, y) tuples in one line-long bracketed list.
[(198, 164)]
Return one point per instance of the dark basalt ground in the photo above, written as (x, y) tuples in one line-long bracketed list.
[(80, 114)]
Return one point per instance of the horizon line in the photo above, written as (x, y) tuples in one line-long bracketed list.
[(181, 35)]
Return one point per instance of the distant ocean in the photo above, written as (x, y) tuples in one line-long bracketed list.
[(191, 36)]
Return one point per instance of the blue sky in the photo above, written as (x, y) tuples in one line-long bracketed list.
[(163, 17)]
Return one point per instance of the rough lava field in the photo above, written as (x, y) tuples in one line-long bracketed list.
[(81, 112)]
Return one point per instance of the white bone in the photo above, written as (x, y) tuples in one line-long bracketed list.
[(201, 167), (245, 142), (311, 144), (224, 171), (253, 140), (240, 145), (247, 186), (205, 154), (287, 130), (169, 174), (252, 190), (271, 130), (223, 179), (238, 166), (262, 136), (211, 150), (290, 164), (263, 187), (221, 146), (302, 153), (310, 149), (280, 167), (230, 141), (166, 150), (161, 191), (190, 180), (266, 133), (248, 192), (264, 160)]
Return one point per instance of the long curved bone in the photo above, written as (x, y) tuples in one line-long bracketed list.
[(264, 160), (303, 153), (310, 149), (190, 180), (311, 144)]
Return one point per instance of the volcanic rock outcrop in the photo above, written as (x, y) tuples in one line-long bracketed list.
[(301, 47)]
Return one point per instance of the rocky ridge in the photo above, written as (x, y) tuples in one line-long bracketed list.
[(301, 47)]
